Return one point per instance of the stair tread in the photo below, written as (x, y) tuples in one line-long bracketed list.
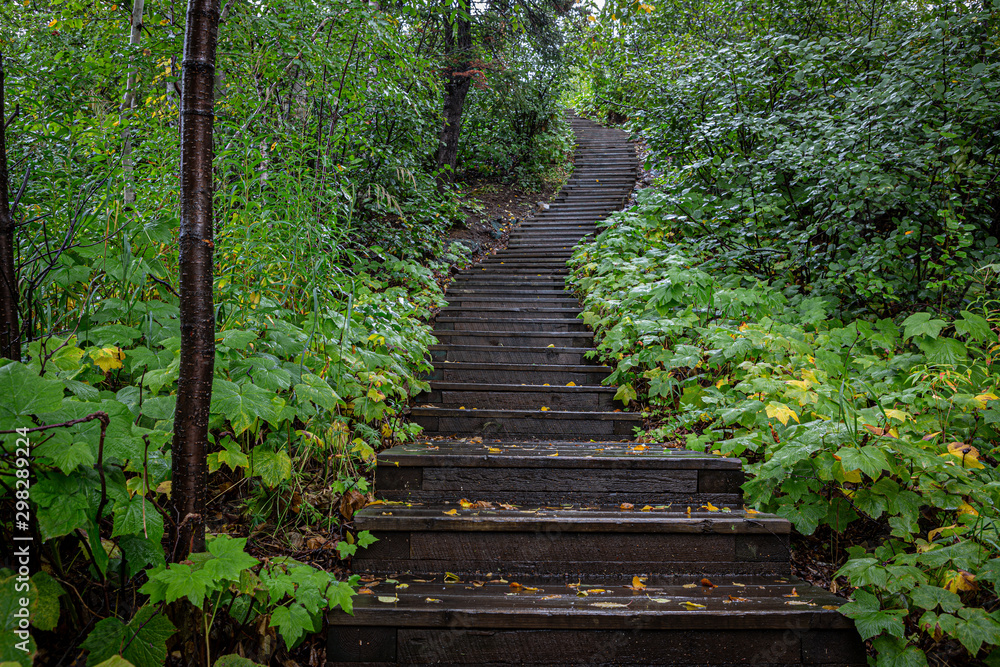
[(528, 453), (494, 603), (424, 410), (386, 516)]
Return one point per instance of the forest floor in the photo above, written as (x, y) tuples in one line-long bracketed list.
[(494, 208)]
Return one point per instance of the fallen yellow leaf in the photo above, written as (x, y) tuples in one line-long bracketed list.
[(451, 512), (637, 584), (544, 409), (693, 605), (710, 507)]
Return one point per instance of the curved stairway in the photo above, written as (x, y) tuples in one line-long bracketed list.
[(513, 534)]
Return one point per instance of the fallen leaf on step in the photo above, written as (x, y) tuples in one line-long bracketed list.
[(690, 586), (551, 597), (495, 450), (544, 409), (637, 584), (647, 508), (451, 578), (801, 602), (693, 605), (431, 600), (793, 594), (735, 599), (831, 607), (710, 507), (451, 512), (626, 506), (570, 384), (659, 600), (402, 585), (607, 605), (552, 345), (388, 600), (739, 585), (707, 584)]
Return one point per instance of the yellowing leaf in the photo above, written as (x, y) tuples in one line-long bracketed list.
[(693, 605), (937, 531), (451, 512), (451, 578), (750, 511), (960, 581), (967, 453), (982, 398), (690, 586), (388, 599), (637, 584), (852, 476), (431, 600), (52, 23), (898, 415), (710, 507), (659, 600), (544, 409), (781, 412), (591, 19), (966, 508), (570, 384), (107, 358), (608, 605)]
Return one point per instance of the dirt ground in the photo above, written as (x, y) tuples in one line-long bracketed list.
[(493, 210)]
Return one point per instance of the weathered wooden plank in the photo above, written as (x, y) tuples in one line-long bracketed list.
[(560, 480)]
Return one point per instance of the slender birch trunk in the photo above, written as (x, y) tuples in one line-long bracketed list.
[(129, 103)]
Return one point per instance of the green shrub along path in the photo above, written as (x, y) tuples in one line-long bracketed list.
[(530, 529)]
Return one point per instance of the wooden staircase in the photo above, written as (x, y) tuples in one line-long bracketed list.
[(515, 532)]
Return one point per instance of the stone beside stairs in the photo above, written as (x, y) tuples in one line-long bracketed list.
[(513, 533)]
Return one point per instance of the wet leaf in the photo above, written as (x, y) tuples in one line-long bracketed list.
[(388, 599), (693, 605), (707, 584), (431, 600), (608, 605)]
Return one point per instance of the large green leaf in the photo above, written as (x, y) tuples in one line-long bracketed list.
[(921, 324), (274, 467), (25, 393), (137, 516), (230, 558), (242, 405)]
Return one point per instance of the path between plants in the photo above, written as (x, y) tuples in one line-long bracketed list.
[(528, 529)]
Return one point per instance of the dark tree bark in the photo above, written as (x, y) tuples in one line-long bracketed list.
[(197, 308), (10, 330), (458, 56)]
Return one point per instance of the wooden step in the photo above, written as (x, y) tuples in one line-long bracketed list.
[(520, 396), (516, 339), (553, 374), (546, 622), (542, 471), (526, 540), (510, 354), (537, 424), (524, 312), (464, 323)]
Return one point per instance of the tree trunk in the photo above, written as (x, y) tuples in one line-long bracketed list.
[(197, 310), (129, 102), (10, 329), (458, 41)]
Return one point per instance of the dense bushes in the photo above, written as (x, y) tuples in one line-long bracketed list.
[(811, 283), (884, 424)]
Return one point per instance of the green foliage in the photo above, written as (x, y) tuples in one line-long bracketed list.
[(882, 421)]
